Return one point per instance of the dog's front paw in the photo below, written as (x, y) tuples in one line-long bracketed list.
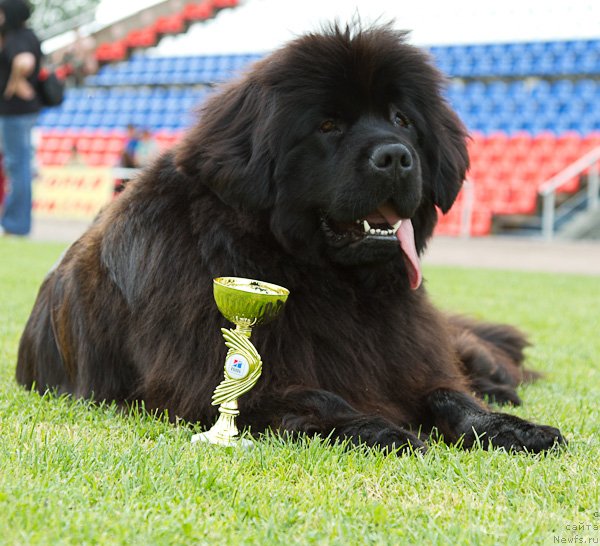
[(514, 434), (395, 439), (379, 433)]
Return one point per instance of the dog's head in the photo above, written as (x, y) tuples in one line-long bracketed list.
[(345, 137)]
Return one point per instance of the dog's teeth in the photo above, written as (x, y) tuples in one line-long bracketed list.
[(396, 226), (378, 231), (372, 231), (366, 226)]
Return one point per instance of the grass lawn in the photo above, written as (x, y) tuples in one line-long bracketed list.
[(74, 474)]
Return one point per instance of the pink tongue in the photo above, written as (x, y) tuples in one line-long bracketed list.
[(406, 237)]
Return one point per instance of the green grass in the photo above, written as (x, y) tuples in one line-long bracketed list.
[(75, 474)]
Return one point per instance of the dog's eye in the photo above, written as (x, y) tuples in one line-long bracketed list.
[(400, 120), (328, 126)]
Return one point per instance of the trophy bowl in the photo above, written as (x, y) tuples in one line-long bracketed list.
[(248, 301)]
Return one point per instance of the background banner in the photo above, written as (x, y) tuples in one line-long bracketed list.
[(74, 193)]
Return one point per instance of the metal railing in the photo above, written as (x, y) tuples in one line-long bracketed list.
[(466, 213), (124, 173), (547, 190)]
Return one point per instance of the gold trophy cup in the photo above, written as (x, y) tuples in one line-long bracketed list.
[(246, 303)]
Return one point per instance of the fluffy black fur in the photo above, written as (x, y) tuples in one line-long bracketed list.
[(268, 185)]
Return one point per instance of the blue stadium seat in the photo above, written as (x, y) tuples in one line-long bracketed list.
[(48, 118), (588, 62), (565, 64), (154, 120), (523, 65)]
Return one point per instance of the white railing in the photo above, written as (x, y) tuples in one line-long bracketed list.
[(124, 173), (466, 214), (548, 189)]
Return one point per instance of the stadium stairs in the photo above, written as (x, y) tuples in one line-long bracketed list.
[(532, 109)]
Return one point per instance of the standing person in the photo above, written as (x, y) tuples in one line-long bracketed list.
[(2, 182), (128, 156), (147, 149), (131, 143), (20, 56)]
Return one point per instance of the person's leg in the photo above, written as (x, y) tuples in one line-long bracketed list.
[(16, 139), (2, 181)]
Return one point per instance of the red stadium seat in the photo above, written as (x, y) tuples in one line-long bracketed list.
[(170, 24), (543, 145), (500, 202), (83, 142), (481, 221), (110, 52), (449, 223), (66, 144), (46, 157), (219, 4), (482, 156), (520, 145), (144, 37), (98, 144), (49, 143), (166, 139), (591, 141), (496, 144), (115, 144), (62, 158), (198, 12), (475, 146), (569, 146)]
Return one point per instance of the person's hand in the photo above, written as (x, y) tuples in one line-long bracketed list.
[(20, 88), (22, 66)]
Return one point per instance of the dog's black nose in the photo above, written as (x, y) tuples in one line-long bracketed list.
[(391, 159)]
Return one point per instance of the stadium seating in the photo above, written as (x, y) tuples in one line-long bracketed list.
[(148, 36), (98, 148), (520, 60), (532, 106), (532, 109), (142, 70)]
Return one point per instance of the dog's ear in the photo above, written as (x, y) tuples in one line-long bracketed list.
[(449, 155), (229, 149)]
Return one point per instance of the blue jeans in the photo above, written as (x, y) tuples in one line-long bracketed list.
[(15, 134)]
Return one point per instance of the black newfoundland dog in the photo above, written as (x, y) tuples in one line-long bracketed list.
[(320, 171)]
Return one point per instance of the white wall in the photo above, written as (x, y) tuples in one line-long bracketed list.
[(262, 25)]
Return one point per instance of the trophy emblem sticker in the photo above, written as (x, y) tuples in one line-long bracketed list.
[(237, 366)]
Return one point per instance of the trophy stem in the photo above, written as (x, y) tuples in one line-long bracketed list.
[(244, 328)]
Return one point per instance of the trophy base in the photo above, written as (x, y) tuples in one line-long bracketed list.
[(218, 439), (224, 432)]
